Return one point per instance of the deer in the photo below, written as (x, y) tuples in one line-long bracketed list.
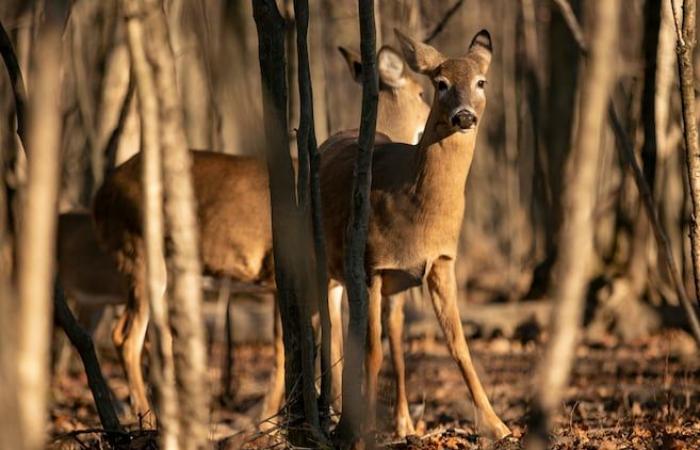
[(235, 226), (417, 208)]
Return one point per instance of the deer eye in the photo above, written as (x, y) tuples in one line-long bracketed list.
[(481, 84), (442, 85)]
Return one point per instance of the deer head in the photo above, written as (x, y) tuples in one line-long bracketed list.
[(459, 83), (402, 110)]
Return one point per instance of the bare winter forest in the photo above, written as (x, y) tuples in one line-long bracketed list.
[(400, 224)]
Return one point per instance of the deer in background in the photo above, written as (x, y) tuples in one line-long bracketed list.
[(235, 226), (417, 208)]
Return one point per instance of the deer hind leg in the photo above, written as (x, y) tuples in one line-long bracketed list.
[(335, 305), (443, 292), (395, 320), (128, 336), (274, 396), (374, 355)]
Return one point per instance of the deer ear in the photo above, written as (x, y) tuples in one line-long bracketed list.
[(420, 57), (354, 63), (481, 49), (391, 67)]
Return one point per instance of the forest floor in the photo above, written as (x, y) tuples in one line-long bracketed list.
[(641, 395)]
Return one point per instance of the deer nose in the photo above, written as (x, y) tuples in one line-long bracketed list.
[(464, 119)]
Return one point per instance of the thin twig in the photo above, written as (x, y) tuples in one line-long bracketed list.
[(677, 23), (568, 13), (443, 22)]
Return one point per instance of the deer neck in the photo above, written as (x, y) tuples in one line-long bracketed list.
[(444, 159)]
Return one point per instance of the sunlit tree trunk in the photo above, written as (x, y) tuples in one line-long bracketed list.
[(36, 236), (686, 46), (164, 371), (184, 266), (575, 241)]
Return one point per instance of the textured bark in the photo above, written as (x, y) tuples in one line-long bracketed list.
[(309, 197), (184, 265), (356, 233), (685, 48), (37, 233), (290, 227), (576, 238), (164, 371)]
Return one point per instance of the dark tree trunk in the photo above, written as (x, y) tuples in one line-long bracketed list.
[(356, 233), (291, 225)]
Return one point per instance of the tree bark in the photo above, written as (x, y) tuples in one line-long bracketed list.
[(356, 233), (189, 350), (685, 48), (164, 370), (576, 238), (37, 233), (290, 225), (309, 197)]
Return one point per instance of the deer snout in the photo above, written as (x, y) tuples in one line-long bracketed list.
[(464, 119)]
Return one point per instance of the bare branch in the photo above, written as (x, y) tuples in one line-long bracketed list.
[(443, 22), (568, 13)]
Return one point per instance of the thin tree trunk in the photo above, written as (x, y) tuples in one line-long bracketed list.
[(290, 225), (686, 67), (82, 342), (309, 197), (356, 233), (37, 234), (189, 350), (164, 371), (576, 238)]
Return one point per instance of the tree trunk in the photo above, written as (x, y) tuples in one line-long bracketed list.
[(309, 197), (164, 370), (356, 233), (37, 234), (189, 350), (686, 46), (639, 257), (291, 226), (576, 237)]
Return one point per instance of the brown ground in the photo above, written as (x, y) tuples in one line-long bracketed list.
[(643, 395)]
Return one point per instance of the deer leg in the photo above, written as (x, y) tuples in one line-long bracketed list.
[(274, 396), (373, 356), (395, 319), (129, 335), (335, 305), (443, 292)]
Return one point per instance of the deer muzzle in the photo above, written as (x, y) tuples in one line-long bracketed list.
[(464, 119)]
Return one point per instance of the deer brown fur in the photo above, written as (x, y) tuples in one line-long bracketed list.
[(417, 207), (234, 216)]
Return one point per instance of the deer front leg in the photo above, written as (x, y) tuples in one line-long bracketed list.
[(395, 319), (443, 292), (373, 356), (128, 336), (335, 304)]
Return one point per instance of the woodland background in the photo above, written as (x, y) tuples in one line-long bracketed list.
[(514, 209)]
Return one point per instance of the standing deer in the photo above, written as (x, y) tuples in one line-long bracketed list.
[(417, 208), (235, 226)]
